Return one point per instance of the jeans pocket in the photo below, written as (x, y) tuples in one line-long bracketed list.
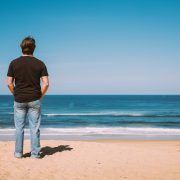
[(19, 105), (35, 104)]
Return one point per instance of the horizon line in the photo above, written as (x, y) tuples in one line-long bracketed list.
[(103, 94)]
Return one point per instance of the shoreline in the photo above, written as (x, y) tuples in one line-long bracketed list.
[(97, 138), (94, 133)]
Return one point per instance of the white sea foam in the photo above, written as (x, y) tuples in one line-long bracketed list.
[(100, 131), (113, 130), (96, 114)]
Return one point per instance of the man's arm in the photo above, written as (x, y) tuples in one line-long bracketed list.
[(45, 85), (10, 83)]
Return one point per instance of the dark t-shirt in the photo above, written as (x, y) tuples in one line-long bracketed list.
[(27, 71)]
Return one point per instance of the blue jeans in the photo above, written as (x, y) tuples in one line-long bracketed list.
[(31, 110)]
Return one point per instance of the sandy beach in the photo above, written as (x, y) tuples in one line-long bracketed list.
[(100, 159)]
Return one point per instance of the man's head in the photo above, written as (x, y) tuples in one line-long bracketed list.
[(28, 45)]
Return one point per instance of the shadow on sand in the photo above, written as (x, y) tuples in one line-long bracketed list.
[(47, 151)]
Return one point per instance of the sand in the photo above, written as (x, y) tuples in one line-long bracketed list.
[(95, 160)]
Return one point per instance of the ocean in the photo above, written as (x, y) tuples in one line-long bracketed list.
[(101, 116)]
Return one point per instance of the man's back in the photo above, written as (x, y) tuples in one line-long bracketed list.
[(27, 71)]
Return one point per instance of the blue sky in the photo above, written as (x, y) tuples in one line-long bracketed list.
[(97, 46)]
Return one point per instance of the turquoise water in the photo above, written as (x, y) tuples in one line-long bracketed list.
[(103, 114)]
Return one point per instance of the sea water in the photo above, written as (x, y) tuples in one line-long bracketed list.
[(97, 116)]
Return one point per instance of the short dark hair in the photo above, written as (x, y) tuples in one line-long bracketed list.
[(28, 45)]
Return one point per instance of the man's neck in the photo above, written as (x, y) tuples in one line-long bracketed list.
[(28, 55)]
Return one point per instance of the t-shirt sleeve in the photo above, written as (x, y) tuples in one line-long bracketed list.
[(10, 72), (44, 71)]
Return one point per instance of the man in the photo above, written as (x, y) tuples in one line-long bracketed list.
[(27, 72)]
